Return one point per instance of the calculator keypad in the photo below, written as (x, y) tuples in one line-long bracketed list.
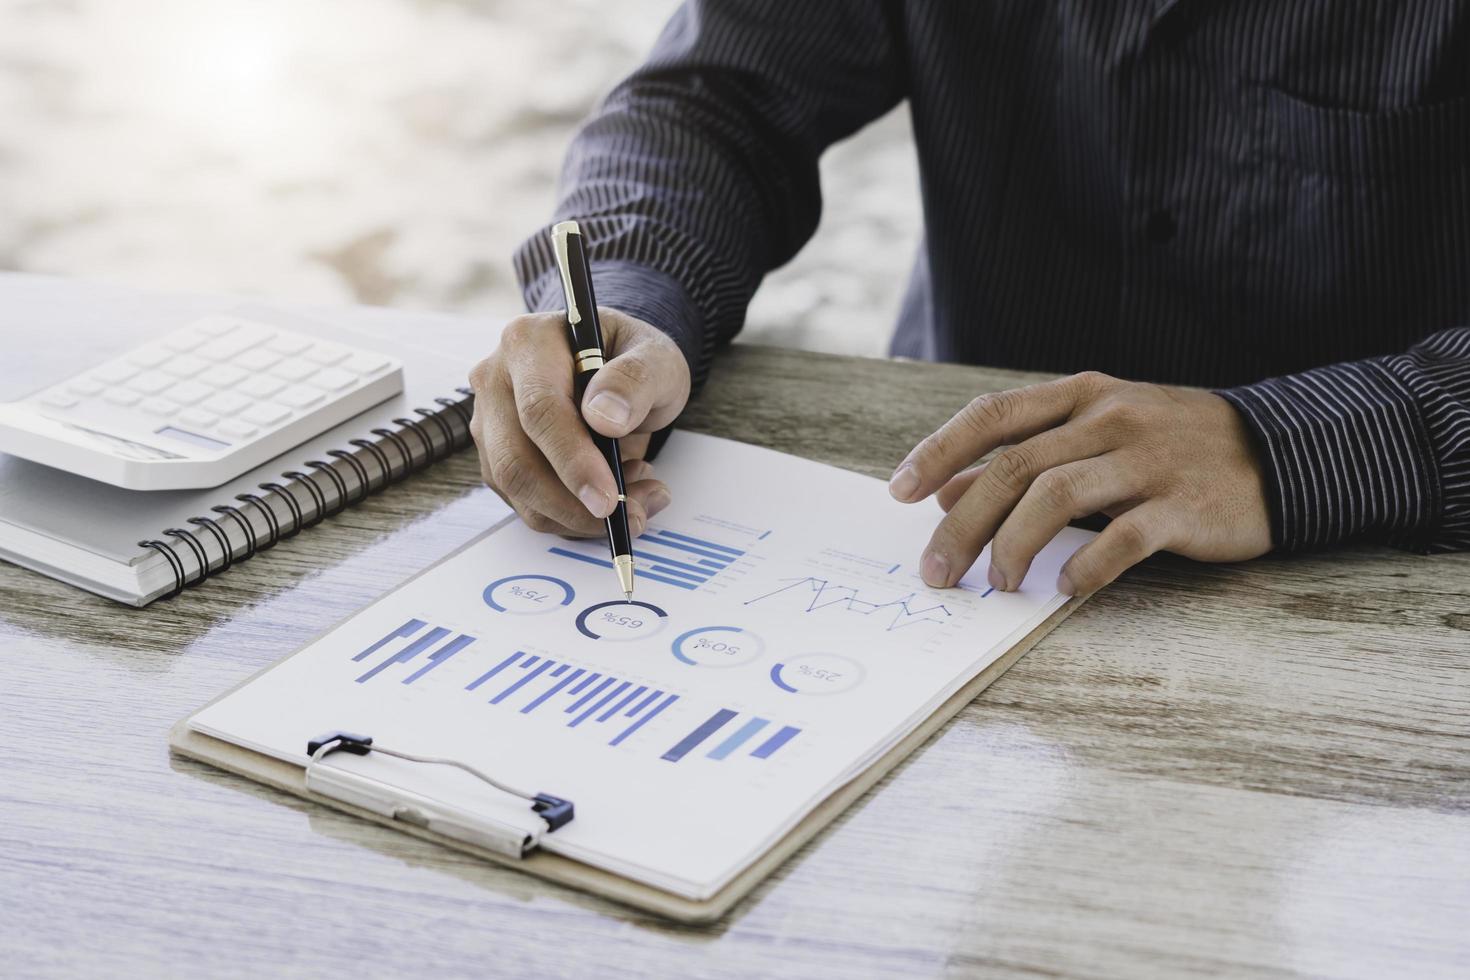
[(226, 379)]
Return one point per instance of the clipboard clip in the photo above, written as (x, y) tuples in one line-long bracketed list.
[(511, 839)]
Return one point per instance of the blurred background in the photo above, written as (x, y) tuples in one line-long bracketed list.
[(389, 152)]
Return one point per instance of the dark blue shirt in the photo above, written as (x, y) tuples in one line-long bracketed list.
[(1269, 198)]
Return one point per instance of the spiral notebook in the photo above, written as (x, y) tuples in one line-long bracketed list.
[(136, 547)]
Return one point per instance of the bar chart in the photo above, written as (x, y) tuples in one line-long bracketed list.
[(532, 684), (736, 737), (661, 555), (416, 645)]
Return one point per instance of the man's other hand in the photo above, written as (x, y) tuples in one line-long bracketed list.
[(534, 447), (1175, 469)]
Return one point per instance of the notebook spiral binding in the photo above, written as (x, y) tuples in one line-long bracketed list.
[(418, 443)]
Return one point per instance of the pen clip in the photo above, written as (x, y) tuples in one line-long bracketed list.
[(559, 233)]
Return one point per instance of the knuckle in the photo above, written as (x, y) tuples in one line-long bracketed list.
[(538, 408), (1058, 489), (1131, 538), (539, 522), (509, 476), (987, 411), (1124, 414), (1012, 469), (481, 372), (521, 330), (1093, 381)]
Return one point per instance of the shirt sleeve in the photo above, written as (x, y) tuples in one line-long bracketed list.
[(698, 174), (1373, 449)]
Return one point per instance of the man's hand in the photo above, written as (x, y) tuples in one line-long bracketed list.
[(1175, 469), (534, 447)]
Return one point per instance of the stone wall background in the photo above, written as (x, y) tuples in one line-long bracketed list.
[(389, 152)]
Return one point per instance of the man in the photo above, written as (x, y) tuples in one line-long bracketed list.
[(1269, 199)]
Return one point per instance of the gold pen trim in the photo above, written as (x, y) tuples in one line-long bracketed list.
[(559, 233)]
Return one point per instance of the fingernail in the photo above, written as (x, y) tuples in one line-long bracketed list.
[(935, 569), (905, 482), (597, 502), (610, 407), (997, 580), (1065, 586), (656, 502)]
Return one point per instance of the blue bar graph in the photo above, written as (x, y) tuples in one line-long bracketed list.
[(691, 741), (664, 556), (440, 655), (413, 649), (594, 698), (767, 748), (733, 552), (493, 671), (738, 738), (646, 718)]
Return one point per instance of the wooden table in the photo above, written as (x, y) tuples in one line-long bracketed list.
[(1254, 769)]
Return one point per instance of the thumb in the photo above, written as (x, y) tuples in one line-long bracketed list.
[(641, 389)]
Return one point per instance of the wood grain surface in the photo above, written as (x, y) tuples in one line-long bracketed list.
[(1249, 770)]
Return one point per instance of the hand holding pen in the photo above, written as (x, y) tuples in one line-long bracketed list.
[(532, 432)]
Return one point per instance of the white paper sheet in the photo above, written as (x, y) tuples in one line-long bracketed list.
[(781, 639)]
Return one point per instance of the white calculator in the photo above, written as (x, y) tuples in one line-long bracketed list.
[(197, 407)]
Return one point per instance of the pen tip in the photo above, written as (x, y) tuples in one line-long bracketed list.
[(628, 594)]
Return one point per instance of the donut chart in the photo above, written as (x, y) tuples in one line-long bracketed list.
[(528, 595), (817, 674), (717, 646), (621, 621)]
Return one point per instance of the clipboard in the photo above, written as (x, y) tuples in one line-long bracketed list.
[(291, 778)]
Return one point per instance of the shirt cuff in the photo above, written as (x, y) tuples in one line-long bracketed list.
[(636, 290), (1346, 456)]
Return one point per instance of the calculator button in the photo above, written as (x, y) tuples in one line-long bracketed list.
[(57, 398), (184, 341), (366, 363), (260, 386), (256, 359), (198, 416), (149, 357), (150, 382), (225, 403), (327, 354), (86, 386), (189, 392), (294, 370), (266, 414), (121, 396), (299, 396), (224, 348), (236, 428), (214, 326), (115, 373), (288, 344), (159, 406), (222, 376), (333, 379), (185, 366)]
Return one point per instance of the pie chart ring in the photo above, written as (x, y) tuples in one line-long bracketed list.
[(508, 595), (717, 646), (586, 625)]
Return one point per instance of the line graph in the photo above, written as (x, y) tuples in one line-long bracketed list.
[(900, 613)]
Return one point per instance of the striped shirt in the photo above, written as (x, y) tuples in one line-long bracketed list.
[(1271, 199)]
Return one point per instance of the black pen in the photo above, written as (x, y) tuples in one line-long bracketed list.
[(586, 336)]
